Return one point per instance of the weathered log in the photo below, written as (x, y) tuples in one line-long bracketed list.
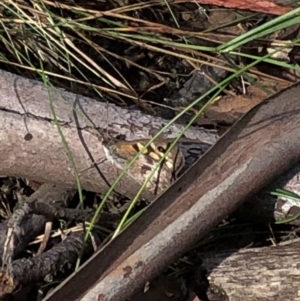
[(31, 147), (270, 273), (258, 148), (25, 108)]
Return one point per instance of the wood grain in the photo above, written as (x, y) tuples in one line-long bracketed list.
[(269, 273)]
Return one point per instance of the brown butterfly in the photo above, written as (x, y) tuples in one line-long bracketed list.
[(120, 153)]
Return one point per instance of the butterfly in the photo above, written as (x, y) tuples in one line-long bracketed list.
[(120, 153)]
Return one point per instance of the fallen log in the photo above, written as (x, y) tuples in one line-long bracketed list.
[(32, 148), (258, 148), (269, 273)]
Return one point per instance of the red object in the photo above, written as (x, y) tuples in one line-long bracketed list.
[(263, 6)]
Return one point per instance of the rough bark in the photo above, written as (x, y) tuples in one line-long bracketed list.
[(31, 146), (270, 273), (58, 261)]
